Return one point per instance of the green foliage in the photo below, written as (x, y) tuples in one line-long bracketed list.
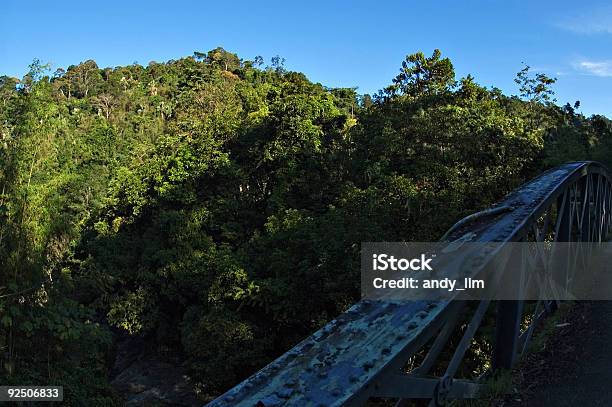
[(535, 88), (422, 76), (216, 209)]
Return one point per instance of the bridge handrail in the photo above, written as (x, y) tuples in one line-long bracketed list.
[(359, 353)]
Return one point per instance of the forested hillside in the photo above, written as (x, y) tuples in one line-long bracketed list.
[(214, 207)]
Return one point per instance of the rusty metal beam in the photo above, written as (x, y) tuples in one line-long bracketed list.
[(339, 364)]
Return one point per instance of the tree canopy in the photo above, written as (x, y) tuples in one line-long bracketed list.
[(215, 207)]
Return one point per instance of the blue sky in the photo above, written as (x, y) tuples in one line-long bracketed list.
[(336, 43)]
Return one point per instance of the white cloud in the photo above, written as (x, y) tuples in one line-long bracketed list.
[(597, 21), (596, 68)]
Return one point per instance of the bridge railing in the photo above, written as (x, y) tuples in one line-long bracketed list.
[(371, 350)]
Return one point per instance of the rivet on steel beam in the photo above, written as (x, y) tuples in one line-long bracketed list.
[(368, 365)]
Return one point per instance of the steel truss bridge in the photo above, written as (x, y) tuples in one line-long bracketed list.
[(371, 349)]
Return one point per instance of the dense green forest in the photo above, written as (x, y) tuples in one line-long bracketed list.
[(214, 207)]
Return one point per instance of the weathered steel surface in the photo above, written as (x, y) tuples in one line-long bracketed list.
[(339, 364)]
